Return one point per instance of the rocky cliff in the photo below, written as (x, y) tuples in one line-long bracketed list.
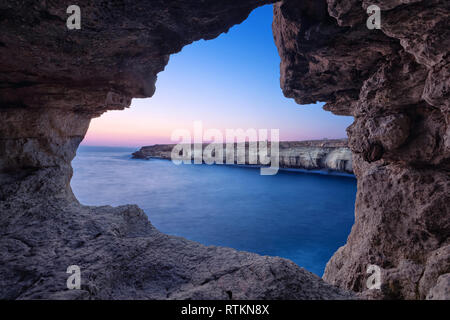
[(52, 82), (311, 155), (394, 81)]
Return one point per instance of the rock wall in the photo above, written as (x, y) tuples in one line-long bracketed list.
[(395, 82), (311, 155)]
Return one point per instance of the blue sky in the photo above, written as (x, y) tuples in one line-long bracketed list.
[(229, 82)]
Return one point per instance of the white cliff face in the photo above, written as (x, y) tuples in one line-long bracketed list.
[(310, 155)]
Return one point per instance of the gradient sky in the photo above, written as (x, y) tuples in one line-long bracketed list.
[(229, 82)]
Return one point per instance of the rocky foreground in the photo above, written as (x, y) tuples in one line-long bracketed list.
[(311, 155)]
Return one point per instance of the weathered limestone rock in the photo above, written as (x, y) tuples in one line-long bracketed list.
[(395, 82), (441, 290)]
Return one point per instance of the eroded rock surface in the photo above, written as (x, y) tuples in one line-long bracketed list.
[(122, 256), (395, 82)]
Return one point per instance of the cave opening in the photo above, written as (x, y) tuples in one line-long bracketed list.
[(228, 82), (393, 81)]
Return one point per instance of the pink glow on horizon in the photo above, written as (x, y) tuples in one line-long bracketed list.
[(106, 132)]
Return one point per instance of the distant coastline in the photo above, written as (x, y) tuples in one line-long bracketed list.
[(329, 155)]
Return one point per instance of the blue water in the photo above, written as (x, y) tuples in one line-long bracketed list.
[(300, 216)]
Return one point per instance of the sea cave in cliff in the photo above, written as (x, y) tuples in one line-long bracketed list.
[(391, 80)]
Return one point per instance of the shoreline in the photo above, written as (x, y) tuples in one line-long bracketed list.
[(312, 155)]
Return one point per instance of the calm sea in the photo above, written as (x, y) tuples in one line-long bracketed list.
[(301, 216)]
